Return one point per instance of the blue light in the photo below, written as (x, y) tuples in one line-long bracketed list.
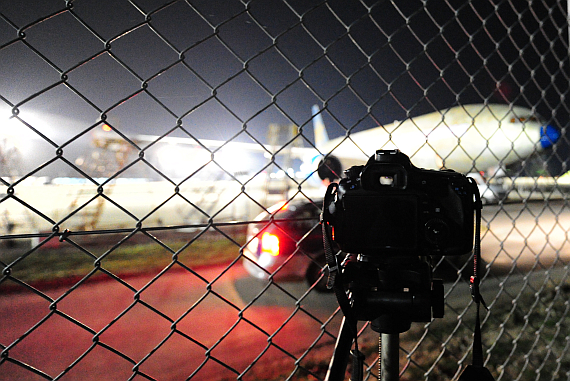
[(548, 136)]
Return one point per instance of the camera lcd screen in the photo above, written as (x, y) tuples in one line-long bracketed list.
[(384, 222)]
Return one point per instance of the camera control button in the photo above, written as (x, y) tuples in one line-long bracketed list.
[(436, 231)]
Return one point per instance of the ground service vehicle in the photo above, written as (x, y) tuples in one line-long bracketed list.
[(286, 242)]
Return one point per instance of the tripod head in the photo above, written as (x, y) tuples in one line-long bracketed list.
[(393, 292)]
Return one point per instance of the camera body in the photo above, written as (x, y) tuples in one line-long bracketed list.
[(389, 207)]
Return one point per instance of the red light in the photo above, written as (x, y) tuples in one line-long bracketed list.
[(278, 207), (106, 128), (270, 244)]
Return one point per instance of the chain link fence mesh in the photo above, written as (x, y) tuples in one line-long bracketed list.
[(139, 139)]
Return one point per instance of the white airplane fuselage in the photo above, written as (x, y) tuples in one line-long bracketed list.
[(463, 138)]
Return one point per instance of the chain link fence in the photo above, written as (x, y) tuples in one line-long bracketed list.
[(139, 139)]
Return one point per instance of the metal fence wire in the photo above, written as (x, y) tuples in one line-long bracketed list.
[(140, 139)]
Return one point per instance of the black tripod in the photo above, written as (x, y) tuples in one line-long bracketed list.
[(391, 293)]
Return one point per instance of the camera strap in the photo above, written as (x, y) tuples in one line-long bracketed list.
[(476, 371), (335, 281), (331, 258)]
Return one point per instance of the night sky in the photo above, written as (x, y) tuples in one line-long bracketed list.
[(226, 69)]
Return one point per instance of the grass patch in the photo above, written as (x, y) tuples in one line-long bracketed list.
[(56, 261), (524, 340)]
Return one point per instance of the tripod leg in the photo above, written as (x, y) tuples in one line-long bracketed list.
[(339, 360), (390, 357)]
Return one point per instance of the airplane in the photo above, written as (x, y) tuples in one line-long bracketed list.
[(467, 138), (496, 135)]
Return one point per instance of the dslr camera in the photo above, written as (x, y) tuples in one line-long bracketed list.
[(389, 207)]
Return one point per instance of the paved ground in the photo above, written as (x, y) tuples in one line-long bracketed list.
[(233, 320), (140, 330)]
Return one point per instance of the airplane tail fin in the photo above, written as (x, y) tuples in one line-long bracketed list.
[(321, 136)]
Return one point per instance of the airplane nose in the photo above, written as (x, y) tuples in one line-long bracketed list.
[(548, 136)]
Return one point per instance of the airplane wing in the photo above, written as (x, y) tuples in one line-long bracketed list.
[(214, 145), (105, 137)]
